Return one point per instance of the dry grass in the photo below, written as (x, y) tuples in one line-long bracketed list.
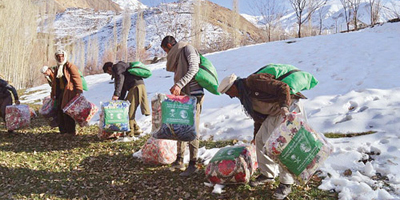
[(40, 163)]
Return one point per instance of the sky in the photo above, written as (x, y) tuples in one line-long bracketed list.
[(358, 91)]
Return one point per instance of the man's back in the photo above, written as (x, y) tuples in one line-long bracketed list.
[(123, 79)]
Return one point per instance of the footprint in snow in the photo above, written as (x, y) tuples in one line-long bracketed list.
[(362, 109), (345, 119), (353, 105), (384, 141)]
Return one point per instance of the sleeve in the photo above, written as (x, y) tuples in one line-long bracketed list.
[(119, 79), (266, 83), (193, 60), (13, 90), (9, 87), (75, 77), (257, 126), (123, 94)]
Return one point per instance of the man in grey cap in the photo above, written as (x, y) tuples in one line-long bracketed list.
[(48, 73), (266, 100)]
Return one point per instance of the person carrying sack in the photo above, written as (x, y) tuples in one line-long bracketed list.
[(65, 85), (134, 85), (6, 99), (183, 60), (266, 100)]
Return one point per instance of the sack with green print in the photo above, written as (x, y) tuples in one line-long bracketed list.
[(296, 79), (297, 147), (114, 116), (207, 76), (84, 83), (174, 117), (139, 69)]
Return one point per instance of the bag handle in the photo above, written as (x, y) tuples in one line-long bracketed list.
[(287, 74)]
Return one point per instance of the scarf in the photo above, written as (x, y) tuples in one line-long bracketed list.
[(244, 97), (60, 65), (175, 61)]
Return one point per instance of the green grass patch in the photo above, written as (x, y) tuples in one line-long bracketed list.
[(40, 163)]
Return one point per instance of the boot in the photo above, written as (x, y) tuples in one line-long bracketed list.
[(190, 170), (178, 164), (261, 180), (282, 191)]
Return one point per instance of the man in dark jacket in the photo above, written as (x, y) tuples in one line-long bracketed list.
[(6, 99), (134, 85), (183, 60), (267, 101)]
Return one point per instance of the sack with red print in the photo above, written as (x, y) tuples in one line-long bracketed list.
[(232, 165), (17, 117), (159, 151), (81, 110), (49, 112)]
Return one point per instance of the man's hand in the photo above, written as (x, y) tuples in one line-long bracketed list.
[(175, 90), (284, 112), (115, 97), (253, 141)]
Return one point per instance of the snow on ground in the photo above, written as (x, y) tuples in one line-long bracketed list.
[(358, 91)]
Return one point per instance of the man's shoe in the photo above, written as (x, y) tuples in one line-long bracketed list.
[(189, 171), (137, 132), (282, 191), (261, 180), (177, 164)]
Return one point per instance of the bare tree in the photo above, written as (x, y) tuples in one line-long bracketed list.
[(304, 9), (395, 9), (196, 24), (140, 35), (126, 27), (354, 6), (346, 9), (321, 13), (235, 23), (114, 45), (374, 10), (21, 46), (271, 12)]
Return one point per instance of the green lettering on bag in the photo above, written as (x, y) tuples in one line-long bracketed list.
[(300, 151), (115, 115), (228, 153), (177, 113)]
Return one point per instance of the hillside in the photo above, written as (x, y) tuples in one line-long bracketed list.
[(220, 16), (331, 19), (105, 29), (62, 5)]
